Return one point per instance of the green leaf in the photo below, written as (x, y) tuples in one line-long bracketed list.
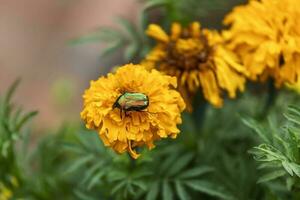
[(291, 146), (293, 114), (271, 176), (129, 189), (5, 148), (90, 173), (167, 191), (92, 37), (117, 176), (268, 153), (128, 27), (286, 146), (140, 184), (84, 140), (286, 165), (153, 191), (265, 165), (165, 166), (154, 3), (78, 163), (74, 148), (118, 186), (112, 48), (103, 34), (24, 119), (141, 173), (182, 194), (194, 172), (131, 51), (296, 168), (208, 188), (17, 115), (82, 196), (289, 183), (180, 164), (11, 91), (96, 179), (257, 128)]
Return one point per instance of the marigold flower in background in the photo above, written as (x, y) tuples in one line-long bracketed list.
[(266, 36), (122, 130), (199, 59)]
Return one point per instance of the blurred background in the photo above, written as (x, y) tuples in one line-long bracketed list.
[(34, 46)]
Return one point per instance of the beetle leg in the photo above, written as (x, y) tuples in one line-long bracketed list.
[(131, 151)]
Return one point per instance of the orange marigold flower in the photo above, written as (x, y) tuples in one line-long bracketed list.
[(133, 107), (199, 59), (266, 36)]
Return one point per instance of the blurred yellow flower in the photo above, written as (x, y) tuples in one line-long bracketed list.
[(266, 36), (5, 193), (111, 108), (199, 59)]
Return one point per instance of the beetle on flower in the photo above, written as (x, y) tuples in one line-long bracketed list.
[(151, 106)]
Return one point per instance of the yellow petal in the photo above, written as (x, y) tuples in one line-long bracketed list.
[(175, 31), (210, 87), (157, 33), (195, 29)]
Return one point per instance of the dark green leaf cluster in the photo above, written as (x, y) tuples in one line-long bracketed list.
[(279, 153), (170, 173), (29, 174), (12, 120)]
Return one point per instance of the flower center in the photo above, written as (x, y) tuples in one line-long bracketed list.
[(188, 53)]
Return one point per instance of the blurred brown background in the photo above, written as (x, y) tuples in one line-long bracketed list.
[(33, 40)]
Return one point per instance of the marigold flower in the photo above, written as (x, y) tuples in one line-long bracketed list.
[(266, 36), (122, 130), (199, 59)]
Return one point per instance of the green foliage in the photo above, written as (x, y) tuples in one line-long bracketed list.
[(180, 11), (28, 174), (176, 173), (129, 37), (279, 152), (12, 121)]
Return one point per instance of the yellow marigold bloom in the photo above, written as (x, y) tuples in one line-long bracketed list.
[(122, 130), (199, 59), (266, 36)]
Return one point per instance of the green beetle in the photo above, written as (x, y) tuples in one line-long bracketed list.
[(131, 101)]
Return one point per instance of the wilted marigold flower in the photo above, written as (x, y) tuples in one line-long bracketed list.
[(133, 107), (199, 59), (266, 36)]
